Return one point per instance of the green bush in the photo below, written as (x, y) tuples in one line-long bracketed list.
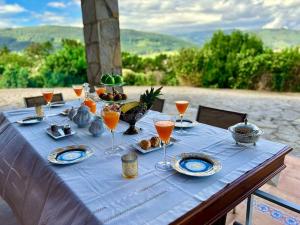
[(14, 77), (187, 66), (36, 81), (236, 60), (139, 79), (65, 67)]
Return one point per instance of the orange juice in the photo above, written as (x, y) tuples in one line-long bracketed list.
[(181, 106), (111, 119), (100, 90), (164, 130), (91, 104), (48, 95), (77, 90)]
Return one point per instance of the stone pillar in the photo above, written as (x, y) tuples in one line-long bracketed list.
[(102, 38)]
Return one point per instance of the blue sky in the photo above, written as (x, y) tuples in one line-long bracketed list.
[(161, 15)]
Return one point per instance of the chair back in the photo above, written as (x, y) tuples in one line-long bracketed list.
[(39, 100), (158, 105), (218, 117)]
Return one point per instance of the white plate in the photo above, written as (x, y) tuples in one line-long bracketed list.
[(57, 104), (185, 123), (30, 120), (137, 147), (56, 137)]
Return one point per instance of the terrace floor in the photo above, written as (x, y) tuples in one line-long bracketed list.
[(276, 113)]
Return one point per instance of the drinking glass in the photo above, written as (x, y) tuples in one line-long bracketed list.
[(91, 104), (164, 126), (181, 108), (100, 90), (78, 90), (48, 95), (111, 116)]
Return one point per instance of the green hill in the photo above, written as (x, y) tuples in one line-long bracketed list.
[(279, 38), (273, 38), (132, 41), (139, 42)]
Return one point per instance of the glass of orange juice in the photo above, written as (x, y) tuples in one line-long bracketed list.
[(78, 90), (48, 95), (100, 90), (181, 108), (91, 104), (164, 125), (111, 116)]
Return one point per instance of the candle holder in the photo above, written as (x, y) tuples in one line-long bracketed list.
[(129, 165)]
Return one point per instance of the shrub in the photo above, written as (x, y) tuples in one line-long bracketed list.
[(139, 79), (14, 77), (65, 67)]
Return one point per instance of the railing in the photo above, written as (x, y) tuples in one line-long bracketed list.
[(271, 198)]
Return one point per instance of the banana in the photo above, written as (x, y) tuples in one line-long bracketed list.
[(128, 106)]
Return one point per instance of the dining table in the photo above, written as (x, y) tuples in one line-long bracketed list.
[(94, 191)]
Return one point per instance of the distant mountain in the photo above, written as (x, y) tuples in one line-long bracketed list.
[(273, 38), (139, 42), (132, 41)]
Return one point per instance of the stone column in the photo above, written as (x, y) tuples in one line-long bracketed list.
[(102, 38)]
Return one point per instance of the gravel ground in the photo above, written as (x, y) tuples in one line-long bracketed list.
[(278, 114)]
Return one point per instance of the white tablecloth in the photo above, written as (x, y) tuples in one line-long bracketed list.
[(94, 192)]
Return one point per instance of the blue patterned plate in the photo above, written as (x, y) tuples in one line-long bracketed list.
[(196, 164), (70, 154)]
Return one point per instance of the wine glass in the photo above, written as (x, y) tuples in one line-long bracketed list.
[(78, 90), (164, 125), (48, 95), (100, 90), (111, 116), (181, 108)]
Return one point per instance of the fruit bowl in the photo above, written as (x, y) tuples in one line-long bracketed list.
[(114, 97), (137, 112)]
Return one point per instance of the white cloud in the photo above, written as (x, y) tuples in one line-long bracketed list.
[(57, 4), (169, 15), (10, 9), (76, 2), (284, 14), (51, 18)]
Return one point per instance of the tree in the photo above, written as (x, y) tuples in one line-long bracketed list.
[(39, 50), (65, 67), (14, 77), (4, 50)]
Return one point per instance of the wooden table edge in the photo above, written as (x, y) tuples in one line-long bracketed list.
[(219, 204)]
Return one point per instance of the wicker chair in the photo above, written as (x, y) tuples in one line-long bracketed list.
[(39, 100), (158, 105), (219, 118)]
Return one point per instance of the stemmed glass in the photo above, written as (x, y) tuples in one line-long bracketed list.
[(78, 90), (111, 116), (181, 108), (48, 95), (100, 90), (164, 125)]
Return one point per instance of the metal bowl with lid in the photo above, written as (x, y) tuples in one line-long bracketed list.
[(245, 133)]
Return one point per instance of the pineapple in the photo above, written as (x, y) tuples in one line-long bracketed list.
[(149, 97)]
